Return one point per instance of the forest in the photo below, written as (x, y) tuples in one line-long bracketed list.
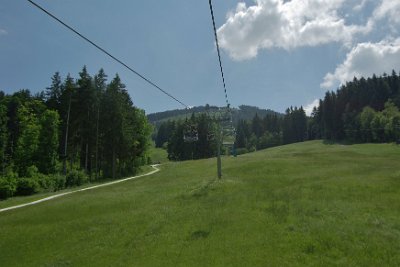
[(73, 132), (171, 137), (363, 110), (242, 112), (87, 129), (273, 129)]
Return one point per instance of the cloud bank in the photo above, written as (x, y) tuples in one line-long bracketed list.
[(388, 9), (366, 59), (290, 24), (284, 24)]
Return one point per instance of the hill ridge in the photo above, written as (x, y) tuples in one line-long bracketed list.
[(243, 112)]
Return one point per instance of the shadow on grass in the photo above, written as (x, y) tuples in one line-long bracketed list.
[(339, 142), (199, 192), (199, 234)]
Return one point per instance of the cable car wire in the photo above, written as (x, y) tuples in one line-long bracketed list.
[(219, 54), (108, 53), (228, 132)]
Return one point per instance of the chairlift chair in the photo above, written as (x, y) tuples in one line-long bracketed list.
[(228, 131)]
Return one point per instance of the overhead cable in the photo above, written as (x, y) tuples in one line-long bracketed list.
[(108, 54), (219, 54)]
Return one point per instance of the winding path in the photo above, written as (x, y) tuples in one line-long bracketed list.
[(80, 190)]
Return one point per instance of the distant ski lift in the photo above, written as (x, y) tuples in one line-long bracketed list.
[(229, 136), (228, 131), (190, 134), (226, 116)]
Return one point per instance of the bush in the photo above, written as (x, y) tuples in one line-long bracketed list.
[(7, 188), (46, 182), (27, 186), (59, 182), (242, 150), (32, 171), (76, 178), (165, 146)]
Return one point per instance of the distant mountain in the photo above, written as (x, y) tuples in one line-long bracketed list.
[(243, 112)]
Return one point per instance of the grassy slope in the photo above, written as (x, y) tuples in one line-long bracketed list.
[(158, 155), (306, 204), (25, 199)]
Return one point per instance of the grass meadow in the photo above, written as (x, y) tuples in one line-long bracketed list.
[(306, 204), (158, 155)]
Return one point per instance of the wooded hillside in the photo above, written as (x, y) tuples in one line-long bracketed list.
[(75, 130), (364, 110)]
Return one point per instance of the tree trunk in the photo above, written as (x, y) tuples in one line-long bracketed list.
[(86, 157), (97, 143), (113, 164), (66, 139)]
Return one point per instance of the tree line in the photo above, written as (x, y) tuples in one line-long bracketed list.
[(171, 135), (243, 112), (363, 110), (74, 131), (261, 132), (271, 130)]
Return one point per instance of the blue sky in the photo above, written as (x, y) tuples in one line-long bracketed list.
[(275, 53)]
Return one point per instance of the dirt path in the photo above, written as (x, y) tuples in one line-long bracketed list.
[(80, 190)]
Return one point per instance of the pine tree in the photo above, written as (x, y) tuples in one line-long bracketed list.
[(48, 142), (242, 134), (3, 136), (53, 93), (257, 126), (115, 105), (65, 116), (85, 117), (100, 87)]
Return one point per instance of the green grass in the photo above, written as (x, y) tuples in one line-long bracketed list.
[(306, 204), (17, 200), (158, 155)]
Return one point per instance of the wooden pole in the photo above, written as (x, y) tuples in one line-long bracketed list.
[(219, 138)]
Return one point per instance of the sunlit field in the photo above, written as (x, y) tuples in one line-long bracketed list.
[(306, 204)]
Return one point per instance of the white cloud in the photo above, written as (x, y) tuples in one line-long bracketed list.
[(284, 24), (309, 108), (365, 60), (3, 32), (388, 9)]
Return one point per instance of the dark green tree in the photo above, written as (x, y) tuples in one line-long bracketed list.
[(3, 136), (243, 133), (28, 140), (54, 92), (48, 142), (125, 131), (85, 118), (66, 98), (294, 127), (100, 86), (257, 126), (366, 117)]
